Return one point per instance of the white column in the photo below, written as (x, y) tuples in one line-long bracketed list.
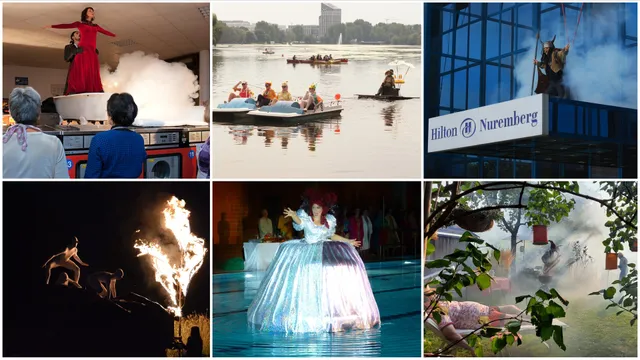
[(205, 76)]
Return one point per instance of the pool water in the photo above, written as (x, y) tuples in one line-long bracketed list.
[(396, 287)]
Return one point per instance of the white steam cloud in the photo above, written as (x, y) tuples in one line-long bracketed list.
[(599, 68), (164, 92)]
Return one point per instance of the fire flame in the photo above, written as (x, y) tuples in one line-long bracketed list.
[(175, 278)]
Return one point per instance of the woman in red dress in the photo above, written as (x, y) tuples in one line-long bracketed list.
[(84, 74)]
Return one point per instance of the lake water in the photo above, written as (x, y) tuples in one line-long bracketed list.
[(371, 139)]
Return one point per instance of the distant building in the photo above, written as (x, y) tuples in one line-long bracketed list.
[(282, 27), (239, 23), (330, 15), (311, 30)]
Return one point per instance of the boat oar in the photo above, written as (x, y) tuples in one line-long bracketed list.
[(535, 55)]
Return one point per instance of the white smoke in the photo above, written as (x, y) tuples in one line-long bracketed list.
[(164, 92), (599, 69)]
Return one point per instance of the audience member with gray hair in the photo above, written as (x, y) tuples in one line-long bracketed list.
[(30, 153)]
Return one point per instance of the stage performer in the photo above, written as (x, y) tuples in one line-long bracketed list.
[(84, 71), (316, 284)]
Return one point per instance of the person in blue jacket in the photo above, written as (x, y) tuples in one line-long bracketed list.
[(119, 152)]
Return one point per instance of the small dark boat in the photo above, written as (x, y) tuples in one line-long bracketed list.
[(386, 97)]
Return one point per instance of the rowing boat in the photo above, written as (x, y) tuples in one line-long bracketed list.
[(290, 111), (318, 62)]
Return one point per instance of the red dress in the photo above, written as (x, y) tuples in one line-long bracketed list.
[(84, 74)]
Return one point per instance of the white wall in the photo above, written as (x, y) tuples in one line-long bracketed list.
[(40, 79)]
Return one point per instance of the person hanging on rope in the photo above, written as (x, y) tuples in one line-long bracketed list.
[(553, 61)]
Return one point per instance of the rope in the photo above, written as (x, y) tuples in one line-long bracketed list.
[(564, 16), (578, 24)]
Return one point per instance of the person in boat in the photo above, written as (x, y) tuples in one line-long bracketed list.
[(267, 95), (311, 100), (330, 57), (388, 83), (553, 61), (294, 58), (312, 58), (284, 95), (245, 92)]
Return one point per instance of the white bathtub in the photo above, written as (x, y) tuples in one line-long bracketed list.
[(89, 106)]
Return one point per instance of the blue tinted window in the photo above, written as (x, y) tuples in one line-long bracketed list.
[(493, 38), (475, 41), (505, 41), (461, 41), (447, 21), (462, 19), (604, 123), (506, 16), (566, 118), (444, 112), (460, 89), (593, 115), (474, 87), (525, 15), (506, 61), (445, 64), (460, 64), (526, 38), (631, 19), (492, 85), (580, 127), (476, 8), (493, 8), (447, 43), (505, 84), (445, 93)]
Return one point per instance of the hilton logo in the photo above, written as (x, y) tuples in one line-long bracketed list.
[(468, 127)]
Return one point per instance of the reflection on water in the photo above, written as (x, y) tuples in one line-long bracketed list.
[(370, 138)]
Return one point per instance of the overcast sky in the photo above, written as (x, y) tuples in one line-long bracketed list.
[(307, 12)]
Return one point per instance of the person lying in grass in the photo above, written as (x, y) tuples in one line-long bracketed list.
[(467, 315)]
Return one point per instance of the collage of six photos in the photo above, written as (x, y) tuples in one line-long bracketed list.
[(320, 179)]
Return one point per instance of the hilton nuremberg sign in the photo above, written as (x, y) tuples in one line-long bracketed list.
[(511, 120)]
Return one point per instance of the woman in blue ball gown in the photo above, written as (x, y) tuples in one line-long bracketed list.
[(315, 284)]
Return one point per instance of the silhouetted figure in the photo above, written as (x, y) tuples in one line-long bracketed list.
[(63, 259), (194, 343), (224, 229), (104, 282)]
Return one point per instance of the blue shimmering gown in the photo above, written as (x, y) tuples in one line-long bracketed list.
[(314, 285)]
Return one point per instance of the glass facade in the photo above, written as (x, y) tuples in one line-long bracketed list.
[(471, 56)]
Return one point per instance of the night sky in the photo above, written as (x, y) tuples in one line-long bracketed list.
[(40, 219)]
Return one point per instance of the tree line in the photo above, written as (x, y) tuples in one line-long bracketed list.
[(352, 32)]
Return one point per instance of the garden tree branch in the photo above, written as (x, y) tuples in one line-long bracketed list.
[(480, 328), (446, 208)]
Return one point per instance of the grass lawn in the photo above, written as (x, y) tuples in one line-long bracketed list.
[(592, 332)]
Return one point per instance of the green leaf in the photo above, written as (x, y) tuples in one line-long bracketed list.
[(484, 281), (478, 352), (436, 316), (513, 326), (520, 298), (440, 263), (430, 248), (558, 338), (556, 310), (497, 344), (609, 293), (490, 331), (619, 312), (472, 340), (543, 295), (448, 296), (510, 339), (546, 332), (532, 302), (555, 294), (596, 292), (519, 340), (496, 255), (628, 302), (632, 321)]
